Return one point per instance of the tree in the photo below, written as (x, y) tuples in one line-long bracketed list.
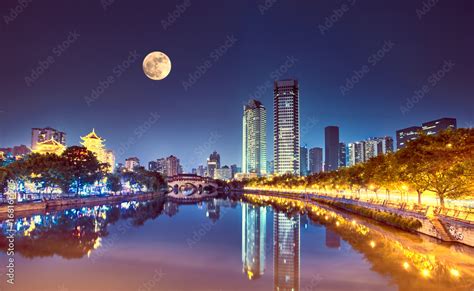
[(4, 176), (113, 183), (82, 168)]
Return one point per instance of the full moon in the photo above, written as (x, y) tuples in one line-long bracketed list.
[(156, 65)]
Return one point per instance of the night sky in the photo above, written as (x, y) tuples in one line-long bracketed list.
[(284, 39)]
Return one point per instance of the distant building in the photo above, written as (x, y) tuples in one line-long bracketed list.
[(131, 164), (303, 161), (213, 163), (153, 166), (201, 171), (436, 126), (224, 173), (331, 148), (40, 135), (286, 127), (14, 153), (355, 153), (342, 155), (315, 160), (172, 166), (270, 167), (431, 127), (50, 146), (234, 169), (254, 138)]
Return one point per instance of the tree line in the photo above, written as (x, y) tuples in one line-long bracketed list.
[(76, 170), (442, 164)]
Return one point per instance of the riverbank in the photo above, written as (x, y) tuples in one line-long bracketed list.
[(432, 222), (43, 206)]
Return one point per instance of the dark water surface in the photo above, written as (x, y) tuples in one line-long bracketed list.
[(224, 245)]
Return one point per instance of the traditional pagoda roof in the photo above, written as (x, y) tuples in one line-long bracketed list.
[(50, 142), (92, 135)]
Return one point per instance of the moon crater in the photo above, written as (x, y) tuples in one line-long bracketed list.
[(157, 65)]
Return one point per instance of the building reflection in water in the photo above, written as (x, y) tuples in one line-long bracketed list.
[(333, 240), (254, 224), (286, 252)]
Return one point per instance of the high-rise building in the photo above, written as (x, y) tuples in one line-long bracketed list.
[(286, 252), (303, 161), (431, 127), (270, 167), (201, 171), (356, 153), (234, 169), (286, 127), (40, 135), (172, 166), (254, 228), (436, 126), (331, 148), (342, 155), (254, 138), (131, 164), (213, 163), (316, 160)]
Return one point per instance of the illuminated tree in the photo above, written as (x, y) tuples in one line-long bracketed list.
[(82, 168)]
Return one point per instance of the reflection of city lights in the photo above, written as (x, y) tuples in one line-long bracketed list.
[(454, 273), (372, 244), (425, 273), (353, 222), (326, 217), (406, 266), (337, 223)]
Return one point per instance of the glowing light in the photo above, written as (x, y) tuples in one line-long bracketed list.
[(354, 222), (454, 273), (406, 266), (425, 273), (372, 244), (337, 223)]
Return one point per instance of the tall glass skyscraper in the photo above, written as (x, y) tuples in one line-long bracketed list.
[(304, 161), (254, 228), (331, 148), (254, 138), (315, 160), (286, 252), (286, 127)]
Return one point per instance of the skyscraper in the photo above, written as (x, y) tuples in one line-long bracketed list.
[(315, 160), (331, 148), (342, 155), (254, 138), (173, 167), (303, 161), (213, 163), (286, 251), (286, 128), (254, 227)]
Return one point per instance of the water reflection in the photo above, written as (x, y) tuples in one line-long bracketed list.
[(286, 251), (254, 228), (402, 260)]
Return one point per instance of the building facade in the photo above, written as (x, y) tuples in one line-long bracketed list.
[(303, 161), (429, 128), (131, 163), (331, 148), (286, 127), (96, 145), (254, 138), (254, 228), (342, 155), (315, 160), (40, 135), (172, 166), (213, 163)]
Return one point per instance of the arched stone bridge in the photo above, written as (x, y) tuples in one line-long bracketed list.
[(190, 186)]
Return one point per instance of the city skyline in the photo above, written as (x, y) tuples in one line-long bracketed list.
[(57, 97)]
